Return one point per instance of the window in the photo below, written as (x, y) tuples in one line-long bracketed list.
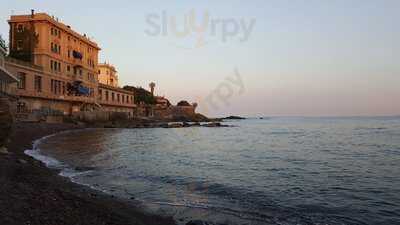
[(112, 96), (59, 67), (22, 80), (118, 98), (106, 95), (123, 98), (20, 45), (100, 94), (20, 28), (51, 64), (68, 68), (59, 49), (52, 31), (38, 83)]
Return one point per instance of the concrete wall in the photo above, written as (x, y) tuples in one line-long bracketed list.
[(100, 116)]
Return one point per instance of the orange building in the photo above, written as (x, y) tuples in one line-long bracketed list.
[(108, 74), (57, 67)]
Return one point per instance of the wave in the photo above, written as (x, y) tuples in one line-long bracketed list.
[(52, 163)]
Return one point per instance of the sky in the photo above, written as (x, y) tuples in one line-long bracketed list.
[(249, 58)]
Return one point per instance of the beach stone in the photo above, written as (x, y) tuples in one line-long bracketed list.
[(3, 150), (22, 161)]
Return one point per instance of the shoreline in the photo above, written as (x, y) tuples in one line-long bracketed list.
[(32, 193)]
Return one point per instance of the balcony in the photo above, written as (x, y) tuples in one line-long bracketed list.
[(51, 96)]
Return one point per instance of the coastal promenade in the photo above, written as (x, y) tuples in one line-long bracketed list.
[(31, 194)]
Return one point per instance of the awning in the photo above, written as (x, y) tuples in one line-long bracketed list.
[(77, 55), (7, 76), (83, 90)]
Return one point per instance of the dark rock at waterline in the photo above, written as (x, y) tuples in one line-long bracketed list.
[(175, 125), (216, 124), (197, 222), (84, 168), (234, 118)]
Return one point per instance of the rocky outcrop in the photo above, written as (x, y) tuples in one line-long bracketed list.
[(234, 118), (6, 121)]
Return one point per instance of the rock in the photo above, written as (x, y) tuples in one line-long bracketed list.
[(3, 150), (175, 125), (197, 222), (234, 118), (214, 124), (22, 161)]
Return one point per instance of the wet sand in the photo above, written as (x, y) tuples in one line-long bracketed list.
[(32, 194)]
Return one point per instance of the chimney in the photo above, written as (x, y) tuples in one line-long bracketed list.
[(32, 13)]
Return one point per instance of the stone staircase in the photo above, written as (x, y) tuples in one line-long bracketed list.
[(6, 120)]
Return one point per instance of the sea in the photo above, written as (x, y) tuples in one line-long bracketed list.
[(276, 170)]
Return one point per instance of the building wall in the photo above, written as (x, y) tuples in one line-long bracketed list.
[(7, 83), (116, 99), (48, 57), (107, 75), (55, 47), (44, 95)]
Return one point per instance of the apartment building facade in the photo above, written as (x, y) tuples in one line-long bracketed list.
[(108, 74), (57, 67)]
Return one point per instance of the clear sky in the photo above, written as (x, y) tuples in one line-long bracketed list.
[(307, 58)]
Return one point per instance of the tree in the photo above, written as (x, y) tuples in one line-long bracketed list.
[(183, 103)]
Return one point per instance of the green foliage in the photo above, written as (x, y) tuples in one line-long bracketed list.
[(142, 95), (183, 103)]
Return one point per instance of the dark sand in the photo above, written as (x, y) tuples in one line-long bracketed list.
[(31, 194)]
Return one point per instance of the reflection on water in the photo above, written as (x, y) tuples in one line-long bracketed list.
[(276, 171)]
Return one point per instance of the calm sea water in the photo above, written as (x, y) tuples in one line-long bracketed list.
[(272, 171)]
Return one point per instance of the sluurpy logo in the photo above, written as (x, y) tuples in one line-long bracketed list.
[(199, 29)]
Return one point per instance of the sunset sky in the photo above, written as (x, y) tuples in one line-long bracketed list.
[(300, 58)]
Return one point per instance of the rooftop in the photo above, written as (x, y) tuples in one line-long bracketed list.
[(107, 65)]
